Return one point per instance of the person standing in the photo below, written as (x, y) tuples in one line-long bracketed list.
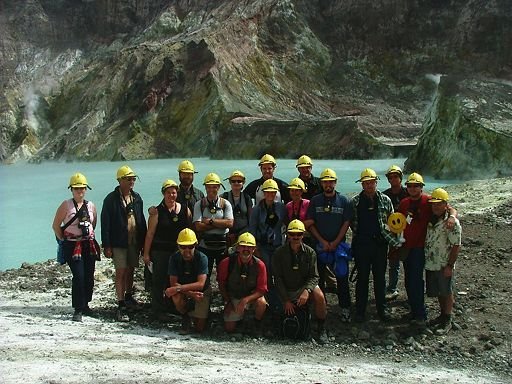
[(73, 225), (442, 247), (160, 243), (254, 189), (371, 237), (241, 203), (123, 230), (396, 192), (312, 183), (418, 213), (188, 194), (242, 281), (329, 216), (296, 277), (266, 225), (213, 217), (189, 282)]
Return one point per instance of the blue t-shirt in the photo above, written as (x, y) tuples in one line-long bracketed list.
[(187, 271), (329, 214)]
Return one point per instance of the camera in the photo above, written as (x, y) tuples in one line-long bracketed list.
[(84, 226), (129, 209)]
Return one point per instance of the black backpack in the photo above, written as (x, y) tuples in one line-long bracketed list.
[(298, 325)]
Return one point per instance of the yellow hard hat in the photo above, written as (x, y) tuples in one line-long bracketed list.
[(328, 174), (168, 184), (247, 239), (394, 169), (186, 166), (212, 179), (304, 161), (438, 195), (367, 174), (415, 178), (236, 173), (296, 226), (297, 183), (267, 159), (187, 237), (125, 171), (270, 185), (78, 180)]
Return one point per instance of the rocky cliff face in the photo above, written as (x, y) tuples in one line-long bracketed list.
[(97, 79), (467, 132)]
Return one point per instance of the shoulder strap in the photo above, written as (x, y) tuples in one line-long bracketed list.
[(232, 261), (76, 214), (203, 205)]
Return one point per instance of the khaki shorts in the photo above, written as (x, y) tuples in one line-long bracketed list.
[(202, 307), (294, 295), (438, 285), (234, 316), (126, 257)]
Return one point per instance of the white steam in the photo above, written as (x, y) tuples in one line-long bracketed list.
[(434, 77)]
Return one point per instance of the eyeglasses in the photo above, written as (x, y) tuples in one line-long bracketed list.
[(187, 246), (131, 178), (236, 181)]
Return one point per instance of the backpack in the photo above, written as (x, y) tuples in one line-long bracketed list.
[(298, 325)]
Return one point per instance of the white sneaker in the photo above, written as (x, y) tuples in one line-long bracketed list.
[(345, 315)]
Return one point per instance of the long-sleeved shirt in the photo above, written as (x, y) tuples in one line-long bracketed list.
[(384, 209), (294, 272)]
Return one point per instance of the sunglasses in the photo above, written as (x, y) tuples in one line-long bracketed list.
[(78, 188), (236, 181), (413, 186), (130, 178), (187, 246), (294, 234)]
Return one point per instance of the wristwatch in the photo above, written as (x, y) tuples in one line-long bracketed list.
[(211, 222), (178, 288), (309, 290)]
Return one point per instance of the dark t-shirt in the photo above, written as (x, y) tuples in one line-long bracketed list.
[(329, 214), (188, 271)]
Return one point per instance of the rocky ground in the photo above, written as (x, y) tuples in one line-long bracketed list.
[(41, 344)]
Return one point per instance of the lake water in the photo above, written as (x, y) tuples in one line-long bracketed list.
[(31, 193)]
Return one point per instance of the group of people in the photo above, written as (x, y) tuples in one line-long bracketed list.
[(276, 247)]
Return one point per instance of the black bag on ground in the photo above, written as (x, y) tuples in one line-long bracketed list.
[(298, 325)]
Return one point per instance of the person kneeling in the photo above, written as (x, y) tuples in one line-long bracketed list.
[(296, 277), (189, 288), (242, 281)]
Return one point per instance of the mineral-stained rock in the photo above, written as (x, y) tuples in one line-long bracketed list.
[(467, 132), (111, 79)]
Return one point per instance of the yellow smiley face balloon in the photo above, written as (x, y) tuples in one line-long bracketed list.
[(396, 222)]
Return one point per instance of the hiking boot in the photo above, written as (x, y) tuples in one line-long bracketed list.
[(345, 315), (418, 323), (444, 327), (392, 295), (322, 337), (77, 316), (384, 316), (434, 323), (186, 325), (131, 302), (87, 311), (121, 315)]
